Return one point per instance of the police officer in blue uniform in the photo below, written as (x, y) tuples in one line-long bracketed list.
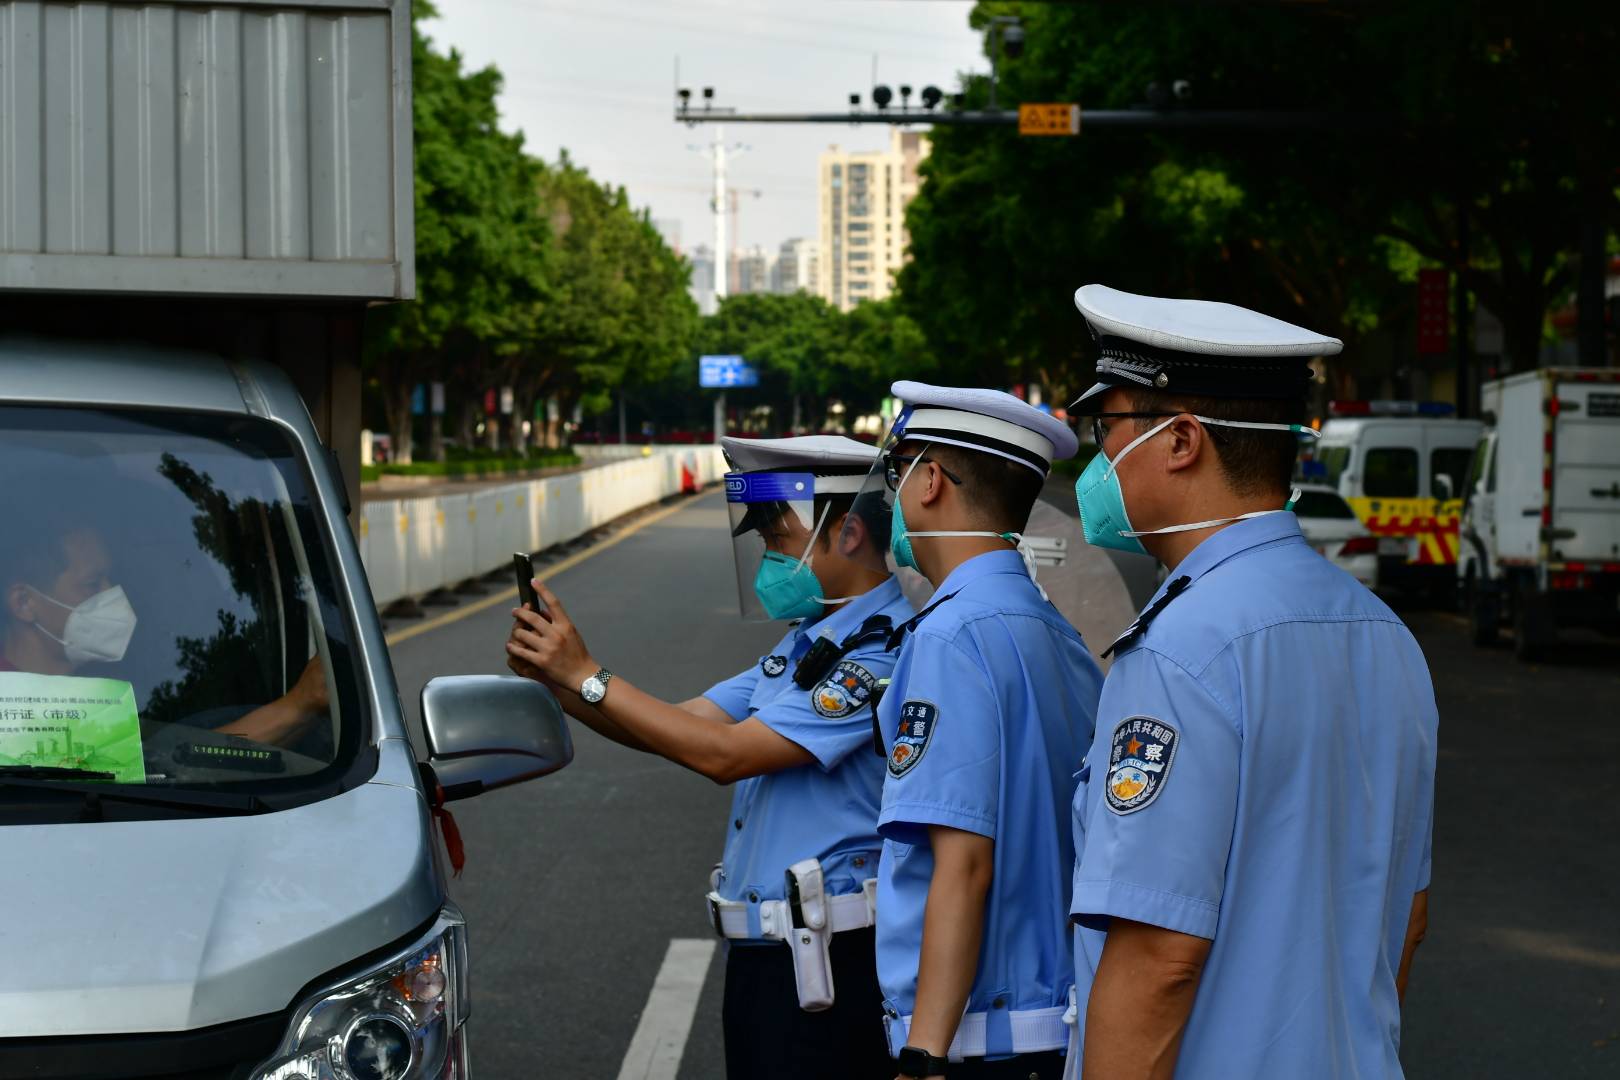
[(988, 714), (794, 894), (1255, 816)]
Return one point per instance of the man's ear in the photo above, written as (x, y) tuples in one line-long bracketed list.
[(20, 603), (1188, 442), (850, 535), (933, 482)]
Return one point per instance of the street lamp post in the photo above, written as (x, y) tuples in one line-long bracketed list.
[(1006, 31)]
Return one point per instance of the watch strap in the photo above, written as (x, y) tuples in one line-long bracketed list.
[(914, 1061)]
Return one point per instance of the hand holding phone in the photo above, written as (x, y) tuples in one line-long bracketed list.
[(523, 567)]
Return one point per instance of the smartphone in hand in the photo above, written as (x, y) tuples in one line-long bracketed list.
[(523, 567)]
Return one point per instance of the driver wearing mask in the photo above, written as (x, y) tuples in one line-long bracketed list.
[(62, 610)]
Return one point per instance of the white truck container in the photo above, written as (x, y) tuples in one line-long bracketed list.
[(1541, 526), (227, 177)]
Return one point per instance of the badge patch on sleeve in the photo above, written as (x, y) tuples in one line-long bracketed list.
[(773, 666), (845, 689), (1139, 763), (917, 722)]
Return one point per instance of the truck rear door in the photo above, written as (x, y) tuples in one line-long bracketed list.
[(1586, 471)]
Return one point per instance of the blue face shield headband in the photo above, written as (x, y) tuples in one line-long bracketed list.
[(1103, 518)]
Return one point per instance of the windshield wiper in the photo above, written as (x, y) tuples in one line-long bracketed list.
[(88, 785), (55, 770)]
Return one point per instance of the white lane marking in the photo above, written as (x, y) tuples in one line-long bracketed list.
[(660, 1039)]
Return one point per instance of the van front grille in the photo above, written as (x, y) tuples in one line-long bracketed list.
[(222, 1052)]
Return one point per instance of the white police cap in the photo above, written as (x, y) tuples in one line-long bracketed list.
[(829, 457), (987, 420), (1195, 347)]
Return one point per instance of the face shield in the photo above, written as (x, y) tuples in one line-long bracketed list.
[(876, 498), (773, 529)]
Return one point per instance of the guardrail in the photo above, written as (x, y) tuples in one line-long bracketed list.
[(412, 547)]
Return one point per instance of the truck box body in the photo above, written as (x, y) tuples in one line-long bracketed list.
[(250, 149), (1541, 530), (235, 179), (1557, 454)]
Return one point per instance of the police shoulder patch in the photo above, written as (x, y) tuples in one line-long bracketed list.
[(773, 666), (1139, 760), (847, 687), (917, 722)]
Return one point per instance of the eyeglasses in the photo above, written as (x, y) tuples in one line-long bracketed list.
[(891, 472), (1099, 430)]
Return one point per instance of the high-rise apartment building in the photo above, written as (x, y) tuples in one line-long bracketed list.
[(753, 271), (701, 286), (864, 195), (797, 266)]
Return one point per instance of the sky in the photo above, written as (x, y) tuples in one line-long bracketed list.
[(597, 77)]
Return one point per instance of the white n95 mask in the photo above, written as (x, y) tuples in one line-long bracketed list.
[(98, 629)]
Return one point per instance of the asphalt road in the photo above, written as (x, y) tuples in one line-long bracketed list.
[(576, 883)]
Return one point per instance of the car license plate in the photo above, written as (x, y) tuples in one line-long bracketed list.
[(1392, 545)]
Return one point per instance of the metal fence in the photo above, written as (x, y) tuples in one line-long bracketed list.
[(414, 546)]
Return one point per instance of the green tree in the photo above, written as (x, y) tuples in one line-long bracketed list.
[(480, 241), (1499, 119)]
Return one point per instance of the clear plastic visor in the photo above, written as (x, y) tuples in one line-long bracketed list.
[(877, 495), (770, 513)]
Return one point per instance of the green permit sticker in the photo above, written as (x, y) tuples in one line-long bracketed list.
[(65, 722)]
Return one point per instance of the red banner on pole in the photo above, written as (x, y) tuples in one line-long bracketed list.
[(1434, 314)]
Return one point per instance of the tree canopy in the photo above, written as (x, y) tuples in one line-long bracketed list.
[(1498, 121), (530, 276)]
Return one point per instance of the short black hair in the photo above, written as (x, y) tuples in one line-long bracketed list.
[(871, 507), (1001, 491), (1253, 462), (37, 556)]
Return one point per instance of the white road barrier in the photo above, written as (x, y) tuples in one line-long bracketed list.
[(413, 546)]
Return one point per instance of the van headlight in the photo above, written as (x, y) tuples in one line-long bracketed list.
[(401, 1020)]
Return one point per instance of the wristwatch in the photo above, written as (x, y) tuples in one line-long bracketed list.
[(594, 689), (917, 1062)]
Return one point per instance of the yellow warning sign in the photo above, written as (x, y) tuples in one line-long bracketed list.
[(1048, 119)]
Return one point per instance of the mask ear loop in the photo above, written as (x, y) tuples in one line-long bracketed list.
[(804, 560), (1297, 429), (1016, 539)]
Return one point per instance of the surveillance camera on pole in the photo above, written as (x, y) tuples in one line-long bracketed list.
[(881, 96), (905, 96), (1183, 90), (1006, 32), (1012, 40), (931, 97)]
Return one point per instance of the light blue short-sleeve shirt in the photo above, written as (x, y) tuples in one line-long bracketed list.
[(988, 716), (1263, 776), (827, 809)]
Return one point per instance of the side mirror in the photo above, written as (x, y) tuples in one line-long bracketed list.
[(1442, 487), (492, 731)]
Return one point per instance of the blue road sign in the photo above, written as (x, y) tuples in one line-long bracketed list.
[(725, 372)]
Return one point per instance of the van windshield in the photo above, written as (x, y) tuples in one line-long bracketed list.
[(168, 617), (1333, 459)]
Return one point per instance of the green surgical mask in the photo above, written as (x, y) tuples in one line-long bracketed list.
[(787, 588)]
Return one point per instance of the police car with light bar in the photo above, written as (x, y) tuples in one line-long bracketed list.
[(1401, 466)]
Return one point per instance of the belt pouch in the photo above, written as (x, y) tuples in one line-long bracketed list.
[(810, 937), (812, 967)]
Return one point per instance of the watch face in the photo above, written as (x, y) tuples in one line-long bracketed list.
[(593, 690)]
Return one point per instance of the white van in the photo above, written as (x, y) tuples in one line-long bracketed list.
[(219, 848), (1401, 466), (1541, 531)]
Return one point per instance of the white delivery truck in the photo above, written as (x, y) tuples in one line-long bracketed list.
[(1541, 527), (1401, 466)]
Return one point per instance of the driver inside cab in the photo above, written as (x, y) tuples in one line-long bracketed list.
[(60, 608)]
